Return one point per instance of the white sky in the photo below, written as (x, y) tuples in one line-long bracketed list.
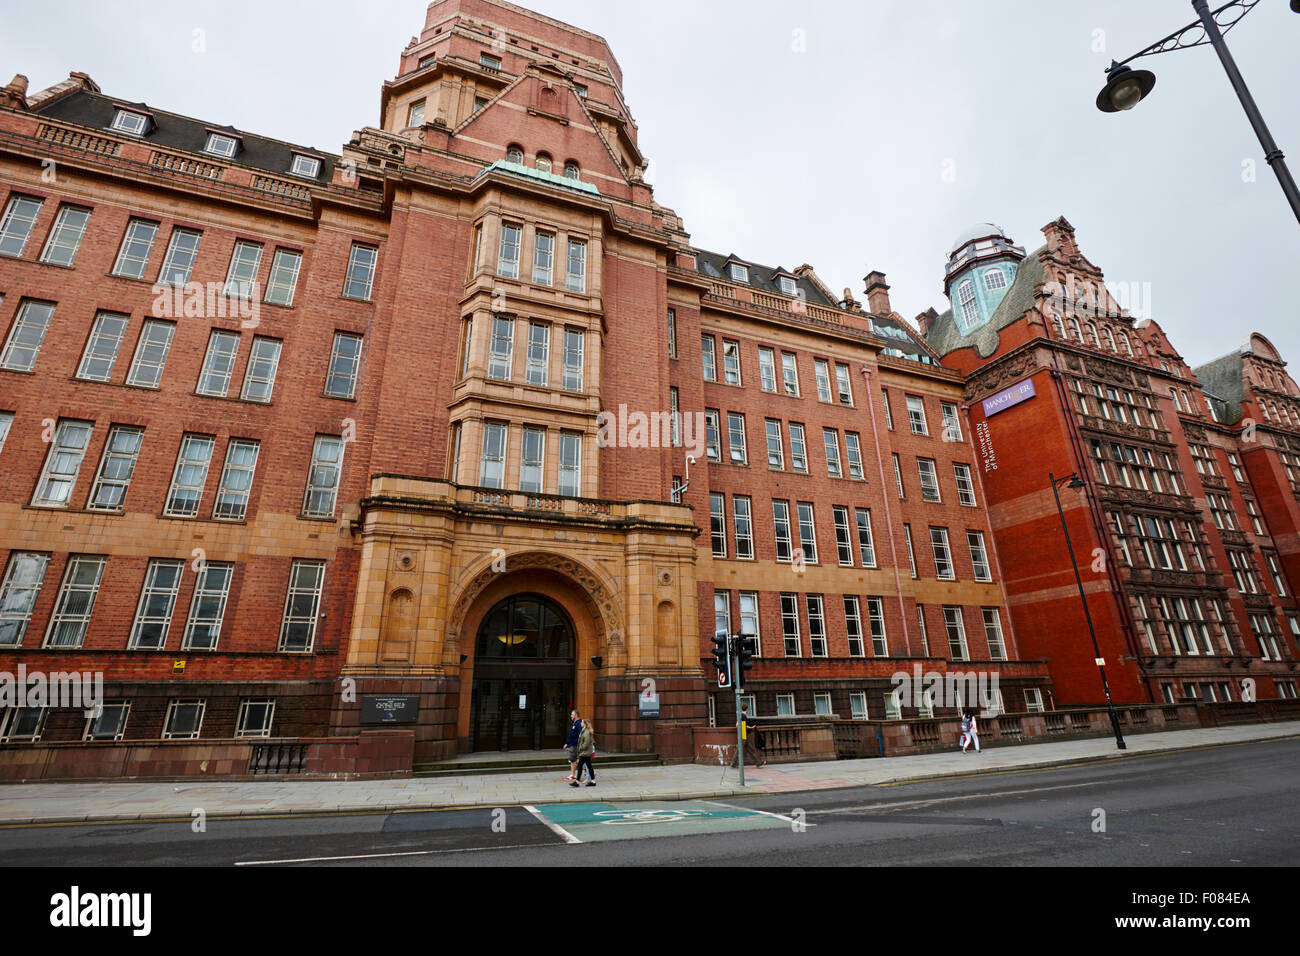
[(835, 155)]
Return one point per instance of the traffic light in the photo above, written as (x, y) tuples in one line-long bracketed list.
[(746, 655), (722, 659)]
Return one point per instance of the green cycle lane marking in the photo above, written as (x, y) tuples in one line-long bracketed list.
[(591, 822)]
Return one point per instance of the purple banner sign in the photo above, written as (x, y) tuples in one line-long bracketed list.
[(1009, 396)]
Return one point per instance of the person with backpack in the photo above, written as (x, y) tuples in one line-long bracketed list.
[(969, 730), (586, 750)]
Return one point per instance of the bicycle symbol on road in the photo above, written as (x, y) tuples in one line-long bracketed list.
[(649, 816)]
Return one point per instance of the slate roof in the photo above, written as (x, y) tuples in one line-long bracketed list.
[(761, 277), (1222, 378), (173, 131), (944, 336)]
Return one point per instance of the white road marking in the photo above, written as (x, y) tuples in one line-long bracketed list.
[(376, 856), (964, 796), (555, 828), (766, 813)]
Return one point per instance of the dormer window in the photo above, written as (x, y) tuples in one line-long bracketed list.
[(786, 285), (125, 121), (970, 313), (995, 279), (415, 115), (219, 145), (489, 61), (571, 170), (306, 166), (543, 162), (515, 155), (738, 272)]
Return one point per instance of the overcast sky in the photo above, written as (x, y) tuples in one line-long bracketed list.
[(867, 140)]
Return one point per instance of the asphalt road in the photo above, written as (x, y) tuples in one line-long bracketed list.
[(1232, 806)]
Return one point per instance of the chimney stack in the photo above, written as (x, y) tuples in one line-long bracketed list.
[(14, 95), (877, 293), (925, 320)]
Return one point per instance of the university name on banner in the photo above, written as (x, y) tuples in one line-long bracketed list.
[(1009, 396)]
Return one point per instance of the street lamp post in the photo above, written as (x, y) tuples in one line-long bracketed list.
[(1125, 87), (1077, 482)]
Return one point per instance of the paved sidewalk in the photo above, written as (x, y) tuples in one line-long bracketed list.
[(69, 802)]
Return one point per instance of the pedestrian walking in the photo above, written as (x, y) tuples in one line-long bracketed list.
[(970, 731), (753, 740), (586, 750), (571, 743)]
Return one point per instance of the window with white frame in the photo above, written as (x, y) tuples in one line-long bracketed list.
[(920, 626), (858, 705), (241, 279), (323, 477), (672, 333), (1033, 700), (508, 251), (151, 354), (766, 369), (781, 527), (822, 704), (970, 313), (539, 353), (789, 374), (712, 442), (101, 348), (956, 627), (543, 257), (898, 474), (721, 612), (182, 251), (207, 606), (718, 524), (853, 452), (116, 466), (22, 724), (283, 281), (787, 285), (916, 415), (843, 384), (255, 718), (929, 479), (184, 719), (360, 277), (24, 575), (76, 600), (816, 625), (18, 223), (951, 422), (109, 723), (911, 554), (302, 606), (415, 114), (790, 625), (738, 272), (236, 480), (731, 362), (965, 486), (943, 567), (190, 476), (807, 532), (993, 631), (894, 704), (866, 545), (775, 448), (798, 448), (843, 539), (853, 624), (218, 363), (153, 614), (575, 273), (532, 459), (736, 438), (749, 624), (889, 415), (876, 621), (707, 346), (823, 374), (831, 440), (979, 556), (259, 378), (219, 144), (574, 351), (65, 238), (785, 705), (570, 482), (26, 335), (62, 464), (743, 525), (306, 166), (995, 279), (502, 348), (126, 121), (137, 246), (344, 367)]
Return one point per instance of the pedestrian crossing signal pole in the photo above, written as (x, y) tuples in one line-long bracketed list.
[(733, 658)]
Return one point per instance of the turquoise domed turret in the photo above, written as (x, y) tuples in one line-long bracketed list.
[(981, 267)]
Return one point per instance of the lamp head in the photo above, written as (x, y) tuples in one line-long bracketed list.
[(1125, 87)]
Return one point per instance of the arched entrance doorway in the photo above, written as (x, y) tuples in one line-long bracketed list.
[(523, 675)]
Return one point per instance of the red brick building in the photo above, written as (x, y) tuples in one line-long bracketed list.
[(293, 438), (1184, 528)]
